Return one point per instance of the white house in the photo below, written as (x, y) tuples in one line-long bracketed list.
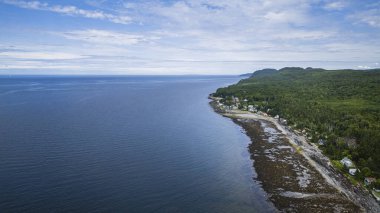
[(251, 108), (346, 162), (283, 121), (352, 171)]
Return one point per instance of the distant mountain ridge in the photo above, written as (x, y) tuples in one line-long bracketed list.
[(271, 71), (264, 72)]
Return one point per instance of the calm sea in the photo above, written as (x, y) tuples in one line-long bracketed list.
[(122, 144)]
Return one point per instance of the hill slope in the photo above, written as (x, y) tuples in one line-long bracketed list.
[(341, 106)]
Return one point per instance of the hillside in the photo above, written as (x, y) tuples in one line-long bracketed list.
[(340, 106), (264, 72)]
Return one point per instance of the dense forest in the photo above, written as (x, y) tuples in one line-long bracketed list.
[(342, 107)]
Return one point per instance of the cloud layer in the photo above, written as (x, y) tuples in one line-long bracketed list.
[(70, 10), (199, 36)]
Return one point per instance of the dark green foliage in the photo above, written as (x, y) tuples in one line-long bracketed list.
[(332, 104), (264, 72)]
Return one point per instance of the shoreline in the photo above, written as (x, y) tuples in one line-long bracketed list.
[(309, 152)]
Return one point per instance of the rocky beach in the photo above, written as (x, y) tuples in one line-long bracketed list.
[(295, 173), (292, 183)]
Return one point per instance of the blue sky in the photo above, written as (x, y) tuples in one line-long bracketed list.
[(186, 37)]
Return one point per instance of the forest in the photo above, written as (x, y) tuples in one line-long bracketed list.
[(340, 107)]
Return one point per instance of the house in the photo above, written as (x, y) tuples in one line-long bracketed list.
[(352, 171), (369, 180), (251, 108), (283, 121), (321, 142), (277, 117), (346, 162)]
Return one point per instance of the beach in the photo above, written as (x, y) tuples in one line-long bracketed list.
[(295, 173)]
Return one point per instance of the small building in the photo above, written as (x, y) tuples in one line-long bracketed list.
[(283, 121), (369, 180), (346, 162), (321, 142), (352, 171), (277, 117), (251, 108)]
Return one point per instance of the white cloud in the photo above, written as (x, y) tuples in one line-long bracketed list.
[(335, 5), (103, 37), (304, 35), (370, 17), (70, 10), (41, 55), (364, 67)]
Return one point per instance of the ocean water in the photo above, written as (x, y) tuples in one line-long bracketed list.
[(122, 144)]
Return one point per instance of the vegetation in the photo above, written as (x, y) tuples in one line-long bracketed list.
[(341, 107)]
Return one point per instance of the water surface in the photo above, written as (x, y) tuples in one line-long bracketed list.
[(121, 144)]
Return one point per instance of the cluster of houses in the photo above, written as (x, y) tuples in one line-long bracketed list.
[(348, 164), (226, 107), (352, 170), (251, 108), (235, 104)]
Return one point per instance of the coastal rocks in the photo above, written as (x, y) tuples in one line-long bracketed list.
[(292, 183)]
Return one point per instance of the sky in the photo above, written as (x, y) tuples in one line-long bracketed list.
[(155, 37)]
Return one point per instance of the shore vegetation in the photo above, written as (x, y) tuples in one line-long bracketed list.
[(337, 109)]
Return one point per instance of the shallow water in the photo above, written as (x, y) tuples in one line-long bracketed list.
[(122, 144)]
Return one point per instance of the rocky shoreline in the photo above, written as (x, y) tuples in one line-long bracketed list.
[(294, 173), (292, 183)]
